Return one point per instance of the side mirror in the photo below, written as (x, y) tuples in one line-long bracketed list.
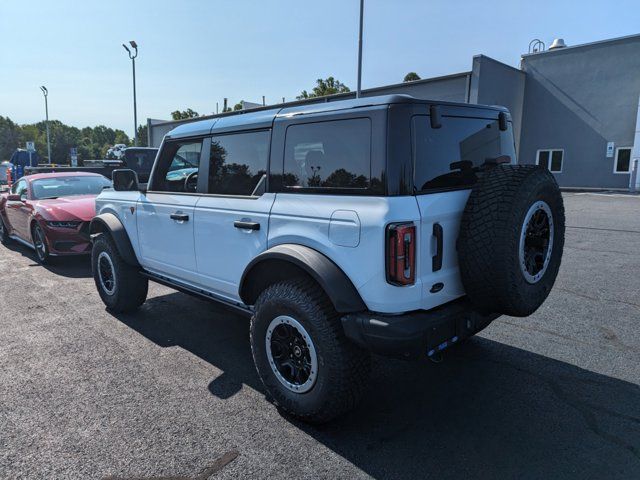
[(124, 180), (14, 197)]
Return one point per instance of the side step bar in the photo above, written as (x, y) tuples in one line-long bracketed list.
[(197, 292)]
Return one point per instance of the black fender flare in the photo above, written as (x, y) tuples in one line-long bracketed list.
[(335, 283), (110, 224)]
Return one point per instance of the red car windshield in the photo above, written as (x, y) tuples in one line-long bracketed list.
[(55, 187)]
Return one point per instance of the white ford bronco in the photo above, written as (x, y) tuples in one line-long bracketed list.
[(385, 224)]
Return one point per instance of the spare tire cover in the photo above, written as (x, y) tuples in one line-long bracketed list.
[(511, 239)]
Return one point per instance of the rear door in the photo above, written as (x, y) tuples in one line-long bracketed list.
[(165, 213), (445, 162), (232, 218)]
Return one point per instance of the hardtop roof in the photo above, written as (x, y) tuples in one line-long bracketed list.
[(263, 117)]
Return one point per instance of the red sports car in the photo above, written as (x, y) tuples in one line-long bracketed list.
[(50, 212)]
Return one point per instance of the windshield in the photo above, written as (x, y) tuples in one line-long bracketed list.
[(55, 187)]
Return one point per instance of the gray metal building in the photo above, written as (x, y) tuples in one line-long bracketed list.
[(574, 108)]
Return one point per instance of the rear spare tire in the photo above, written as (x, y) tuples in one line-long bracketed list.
[(511, 239)]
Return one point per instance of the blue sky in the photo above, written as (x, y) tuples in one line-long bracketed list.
[(194, 53)]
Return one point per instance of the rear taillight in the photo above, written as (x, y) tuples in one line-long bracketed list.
[(401, 253)]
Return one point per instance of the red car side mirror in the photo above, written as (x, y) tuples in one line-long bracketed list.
[(14, 198)]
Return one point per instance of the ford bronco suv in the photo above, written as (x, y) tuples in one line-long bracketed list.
[(385, 224)]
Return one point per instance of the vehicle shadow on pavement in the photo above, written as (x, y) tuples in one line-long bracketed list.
[(70, 267), (488, 410)]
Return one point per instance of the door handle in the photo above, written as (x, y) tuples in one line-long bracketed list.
[(436, 260), (179, 217), (246, 225)]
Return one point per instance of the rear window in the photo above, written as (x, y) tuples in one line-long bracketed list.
[(333, 154), (448, 157)]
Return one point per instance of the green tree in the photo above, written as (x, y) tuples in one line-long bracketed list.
[(237, 106), (329, 86), (9, 137), (181, 115), (143, 136), (411, 77), (91, 142), (121, 137)]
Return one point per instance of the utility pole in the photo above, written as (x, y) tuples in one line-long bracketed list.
[(133, 56), (358, 91), (45, 92)]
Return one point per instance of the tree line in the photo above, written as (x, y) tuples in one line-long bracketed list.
[(93, 142)]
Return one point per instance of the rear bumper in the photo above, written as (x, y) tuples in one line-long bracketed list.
[(415, 334)]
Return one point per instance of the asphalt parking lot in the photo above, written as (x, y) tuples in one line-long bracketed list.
[(171, 391)]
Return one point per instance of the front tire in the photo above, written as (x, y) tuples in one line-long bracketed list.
[(4, 233), (121, 287), (40, 244), (306, 363)]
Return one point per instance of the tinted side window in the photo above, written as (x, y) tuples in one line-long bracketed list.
[(177, 169), (448, 157), (20, 188), (238, 163), (333, 154)]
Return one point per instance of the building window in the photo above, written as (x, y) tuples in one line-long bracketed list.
[(551, 159), (623, 160)]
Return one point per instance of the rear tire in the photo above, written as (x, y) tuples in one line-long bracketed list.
[(121, 287), (294, 321)]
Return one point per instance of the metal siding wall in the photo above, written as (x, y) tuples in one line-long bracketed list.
[(452, 89), (494, 83), (578, 100)]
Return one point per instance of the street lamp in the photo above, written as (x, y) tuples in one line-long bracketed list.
[(133, 56), (45, 92)]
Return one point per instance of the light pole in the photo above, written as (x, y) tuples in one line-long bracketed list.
[(45, 92), (133, 56), (360, 50)]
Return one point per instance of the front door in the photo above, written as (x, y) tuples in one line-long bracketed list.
[(19, 211), (165, 214), (232, 220)]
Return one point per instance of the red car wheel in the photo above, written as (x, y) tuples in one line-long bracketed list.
[(40, 244)]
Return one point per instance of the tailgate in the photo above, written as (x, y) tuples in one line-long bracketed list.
[(437, 256)]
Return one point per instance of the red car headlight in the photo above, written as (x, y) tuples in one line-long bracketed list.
[(57, 224)]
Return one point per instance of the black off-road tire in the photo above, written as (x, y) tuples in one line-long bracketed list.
[(129, 289), (4, 233), (343, 368), (490, 234)]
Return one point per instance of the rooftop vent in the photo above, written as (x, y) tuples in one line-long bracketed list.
[(558, 43)]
